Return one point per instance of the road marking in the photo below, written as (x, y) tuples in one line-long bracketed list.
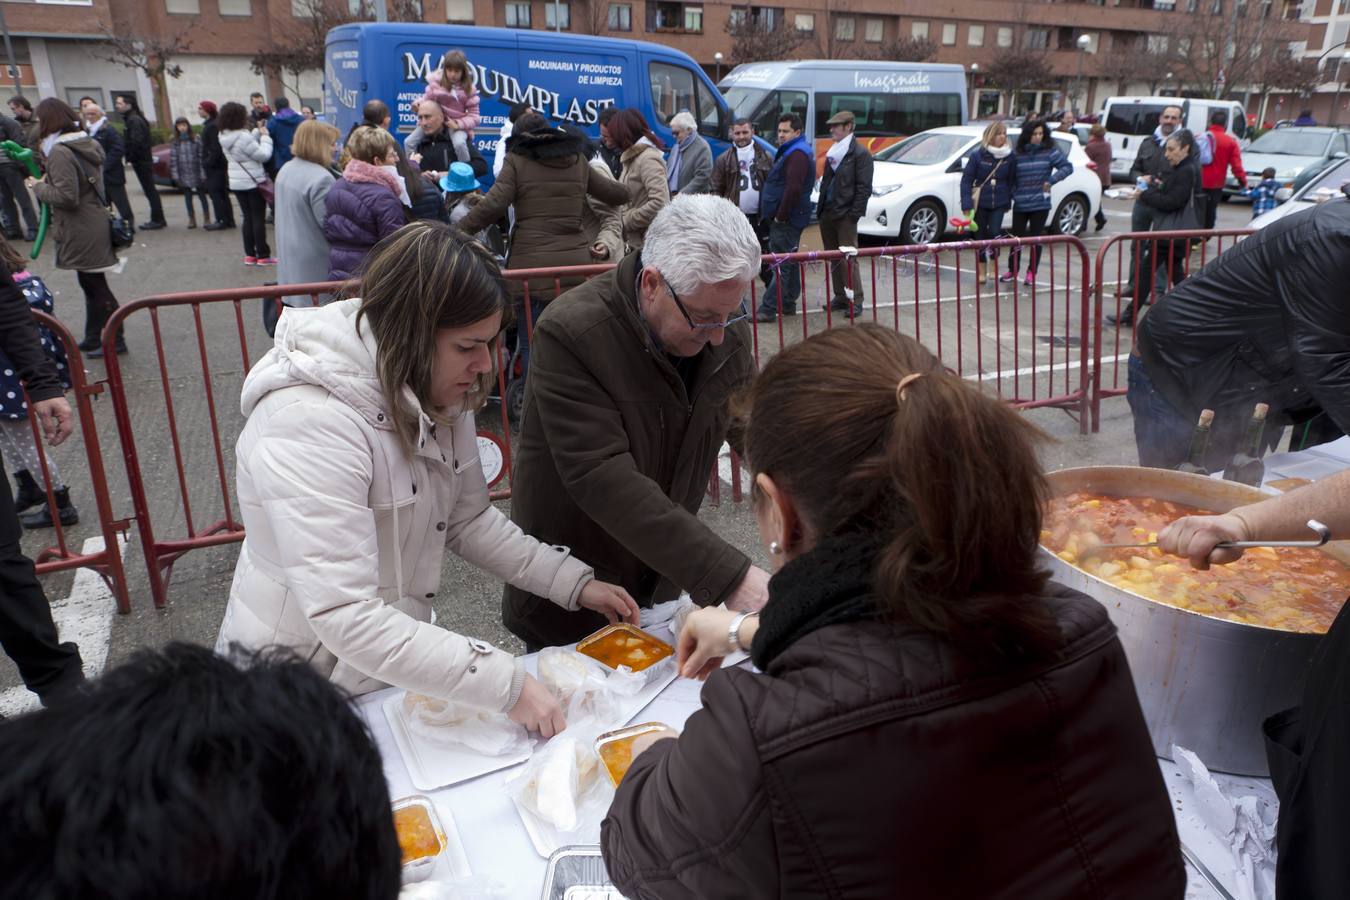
[(86, 618), (1028, 370)]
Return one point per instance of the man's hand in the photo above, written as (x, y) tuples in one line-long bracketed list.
[(537, 709), (610, 600), (1194, 537), (752, 593), (55, 418)]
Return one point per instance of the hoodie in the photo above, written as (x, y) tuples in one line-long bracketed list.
[(282, 127)]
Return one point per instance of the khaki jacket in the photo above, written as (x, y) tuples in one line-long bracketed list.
[(79, 220), (346, 533), (645, 175), (614, 455)]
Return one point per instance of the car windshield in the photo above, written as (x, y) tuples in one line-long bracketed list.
[(1290, 142), (925, 149), (1330, 180)]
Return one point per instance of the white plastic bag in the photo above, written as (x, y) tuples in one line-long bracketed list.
[(563, 786), (585, 688), (447, 723)]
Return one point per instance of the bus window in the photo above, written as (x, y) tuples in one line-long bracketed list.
[(672, 91), (1238, 119), (886, 115), (763, 108)]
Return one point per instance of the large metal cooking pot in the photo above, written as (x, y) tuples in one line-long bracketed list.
[(1205, 684)]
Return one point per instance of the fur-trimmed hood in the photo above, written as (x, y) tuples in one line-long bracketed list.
[(550, 144)]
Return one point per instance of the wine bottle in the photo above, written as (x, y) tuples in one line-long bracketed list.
[(1246, 466), (1199, 445)]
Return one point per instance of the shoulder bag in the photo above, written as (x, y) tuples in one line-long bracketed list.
[(120, 233), (975, 194), (1187, 218)]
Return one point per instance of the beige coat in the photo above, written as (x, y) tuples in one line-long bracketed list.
[(346, 533), (644, 174), (601, 221), (79, 221)]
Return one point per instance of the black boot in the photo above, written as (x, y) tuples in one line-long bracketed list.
[(29, 494), (42, 518)]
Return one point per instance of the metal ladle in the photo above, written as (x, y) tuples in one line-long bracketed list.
[(1323, 535)]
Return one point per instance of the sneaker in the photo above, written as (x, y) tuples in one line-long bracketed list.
[(250, 260), (1007, 277), (266, 261), (1030, 279), (153, 226)]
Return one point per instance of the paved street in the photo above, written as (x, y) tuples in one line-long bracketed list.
[(1006, 339)]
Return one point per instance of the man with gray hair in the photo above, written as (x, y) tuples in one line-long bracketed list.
[(626, 408)]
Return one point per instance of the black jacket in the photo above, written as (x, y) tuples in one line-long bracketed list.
[(844, 191), (138, 137), (11, 130), (1266, 322), (213, 157), (113, 152), (20, 342), (612, 157), (438, 152), (1175, 187), (1148, 159)]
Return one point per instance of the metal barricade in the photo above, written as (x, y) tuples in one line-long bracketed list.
[(1157, 260), (59, 557)]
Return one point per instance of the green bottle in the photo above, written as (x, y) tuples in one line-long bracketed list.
[(1199, 445), (1246, 466)]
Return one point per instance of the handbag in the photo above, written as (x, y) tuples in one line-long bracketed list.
[(1187, 218), (975, 194), (120, 233)]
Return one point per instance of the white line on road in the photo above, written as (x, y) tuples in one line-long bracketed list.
[(1027, 370), (86, 618)]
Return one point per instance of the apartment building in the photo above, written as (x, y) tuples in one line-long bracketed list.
[(1083, 50)]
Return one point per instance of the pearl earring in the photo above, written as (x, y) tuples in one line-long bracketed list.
[(775, 548)]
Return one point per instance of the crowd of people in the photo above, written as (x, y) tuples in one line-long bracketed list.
[(921, 687)]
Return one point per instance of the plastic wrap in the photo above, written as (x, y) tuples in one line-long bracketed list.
[(446, 723)]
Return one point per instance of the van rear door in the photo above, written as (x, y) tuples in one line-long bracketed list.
[(1128, 122)]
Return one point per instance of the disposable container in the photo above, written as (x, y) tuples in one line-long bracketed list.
[(615, 748), (421, 836), (578, 873), (623, 645)]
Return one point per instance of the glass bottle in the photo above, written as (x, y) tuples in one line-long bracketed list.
[(1195, 461), (1246, 466)]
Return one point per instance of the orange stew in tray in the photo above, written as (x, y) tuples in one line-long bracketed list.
[(623, 645), (417, 835), (1291, 589)]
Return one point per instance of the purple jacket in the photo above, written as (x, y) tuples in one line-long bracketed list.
[(358, 215)]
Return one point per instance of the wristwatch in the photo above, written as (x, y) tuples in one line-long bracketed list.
[(734, 633)]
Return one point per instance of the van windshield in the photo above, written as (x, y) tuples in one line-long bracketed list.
[(743, 100), (1291, 142), (1133, 118), (925, 149)]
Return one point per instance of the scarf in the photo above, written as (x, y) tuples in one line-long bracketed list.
[(52, 140), (359, 172), (676, 159), (829, 585), (998, 152), (93, 129), (1161, 138), (838, 150)]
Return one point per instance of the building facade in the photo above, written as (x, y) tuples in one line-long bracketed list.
[(1020, 55)]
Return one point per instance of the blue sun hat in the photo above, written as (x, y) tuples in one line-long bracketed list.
[(459, 179)]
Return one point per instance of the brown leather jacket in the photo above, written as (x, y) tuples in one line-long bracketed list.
[(614, 455), (726, 174), (874, 761)]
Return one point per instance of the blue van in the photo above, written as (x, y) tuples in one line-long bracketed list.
[(568, 77)]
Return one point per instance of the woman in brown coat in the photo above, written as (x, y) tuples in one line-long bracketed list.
[(1099, 151), (73, 189), (547, 179), (644, 172), (931, 718)]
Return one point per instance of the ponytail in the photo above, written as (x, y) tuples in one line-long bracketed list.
[(942, 476)]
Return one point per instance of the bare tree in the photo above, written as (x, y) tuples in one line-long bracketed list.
[(826, 41), (755, 40), (152, 56), (1125, 65), (1220, 52), (593, 17), (1284, 71), (907, 49), (1014, 69)]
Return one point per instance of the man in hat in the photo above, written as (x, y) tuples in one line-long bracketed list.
[(845, 189)]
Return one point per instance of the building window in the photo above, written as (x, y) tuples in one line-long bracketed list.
[(1036, 38), (517, 15), (236, 8), (1192, 6), (693, 20), (949, 34), (807, 21), (918, 31), (1005, 37), (192, 7), (1343, 7), (844, 28), (1165, 5), (620, 17), (1157, 43), (557, 16), (975, 36), (459, 11), (874, 30)]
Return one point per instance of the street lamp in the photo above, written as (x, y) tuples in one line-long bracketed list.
[(974, 71), (1336, 104), (717, 57), (1083, 43), (1167, 85)]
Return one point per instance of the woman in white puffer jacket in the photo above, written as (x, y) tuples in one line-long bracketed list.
[(359, 464)]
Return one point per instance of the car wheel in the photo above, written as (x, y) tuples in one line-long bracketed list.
[(922, 224), (1072, 216), (515, 403)]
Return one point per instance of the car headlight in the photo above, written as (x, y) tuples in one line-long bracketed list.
[(885, 189)]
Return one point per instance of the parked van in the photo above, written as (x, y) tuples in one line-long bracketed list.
[(567, 77), (1130, 120), (889, 100)]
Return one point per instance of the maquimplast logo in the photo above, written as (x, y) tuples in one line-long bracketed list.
[(509, 88)]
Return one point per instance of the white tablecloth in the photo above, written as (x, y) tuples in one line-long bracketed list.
[(497, 846)]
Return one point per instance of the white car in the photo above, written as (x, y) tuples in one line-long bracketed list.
[(1330, 185), (916, 186)]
